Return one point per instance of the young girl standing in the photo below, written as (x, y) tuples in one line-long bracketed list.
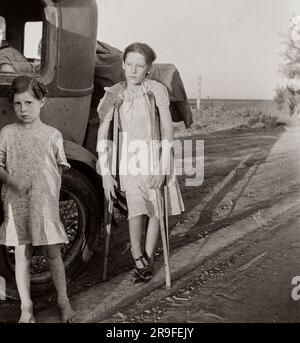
[(31, 162), (131, 101)]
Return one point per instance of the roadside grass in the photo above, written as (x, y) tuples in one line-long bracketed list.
[(216, 115)]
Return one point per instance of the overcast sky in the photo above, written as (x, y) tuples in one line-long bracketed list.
[(234, 44)]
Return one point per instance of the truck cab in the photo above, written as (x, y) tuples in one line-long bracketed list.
[(58, 37)]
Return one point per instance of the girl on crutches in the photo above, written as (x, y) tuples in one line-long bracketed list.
[(132, 104)]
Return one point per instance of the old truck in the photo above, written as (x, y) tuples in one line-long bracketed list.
[(59, 38)]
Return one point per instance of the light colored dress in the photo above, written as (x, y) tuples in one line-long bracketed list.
[(135, 124), (32, 154)]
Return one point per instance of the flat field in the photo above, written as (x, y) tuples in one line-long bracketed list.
[(221, 114)]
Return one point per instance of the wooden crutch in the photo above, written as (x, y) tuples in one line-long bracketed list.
[(110, 205), (108, 220), (161, 205), (166, 215), (160, 194)]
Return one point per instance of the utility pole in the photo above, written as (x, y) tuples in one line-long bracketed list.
[(199, 92)]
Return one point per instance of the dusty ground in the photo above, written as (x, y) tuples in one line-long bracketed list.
[(224, 150), (249, 282)]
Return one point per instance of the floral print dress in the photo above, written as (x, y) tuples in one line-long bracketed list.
[(34, 155)]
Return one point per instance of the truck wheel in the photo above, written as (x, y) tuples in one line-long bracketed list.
[(80, 212)]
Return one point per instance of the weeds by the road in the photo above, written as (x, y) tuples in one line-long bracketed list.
[(215, 115)]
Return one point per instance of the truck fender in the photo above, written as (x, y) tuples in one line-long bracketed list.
[(76, 152)]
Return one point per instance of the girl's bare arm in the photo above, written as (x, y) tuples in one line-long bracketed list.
[(166, 124), (102, 147), (103, 131), (167, 135), (109, 182)]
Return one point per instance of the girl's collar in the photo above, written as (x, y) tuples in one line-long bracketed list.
[(142, 90)]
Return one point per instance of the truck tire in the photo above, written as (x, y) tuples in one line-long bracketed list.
[(80, 211)]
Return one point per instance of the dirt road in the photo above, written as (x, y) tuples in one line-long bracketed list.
[(234, 159), (256, 280), (250, 281)]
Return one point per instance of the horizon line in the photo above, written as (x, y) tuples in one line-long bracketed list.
[(232, 99)]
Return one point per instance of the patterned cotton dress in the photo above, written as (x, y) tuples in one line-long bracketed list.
[(135, 125), (32, 154)]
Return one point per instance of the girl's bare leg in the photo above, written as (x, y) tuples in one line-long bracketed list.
[(135, 233), (22, 271), (57, 269), (152, 236)]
